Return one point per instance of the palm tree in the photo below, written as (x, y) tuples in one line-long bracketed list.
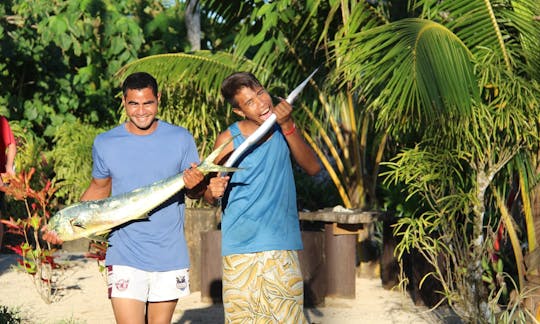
[(462, 77)]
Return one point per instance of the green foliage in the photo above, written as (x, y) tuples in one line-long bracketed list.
[(455, 90), (314, 193), (72, 159), (10, 315), (31, 149), (31, 153), (60, 57)]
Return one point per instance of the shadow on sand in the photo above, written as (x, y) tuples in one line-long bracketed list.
[(213, 314), (7, 261)]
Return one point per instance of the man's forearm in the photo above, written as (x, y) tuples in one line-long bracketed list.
[(197, 191), (10, 157)]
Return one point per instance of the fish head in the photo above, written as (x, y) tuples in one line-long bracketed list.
[(64, 224)]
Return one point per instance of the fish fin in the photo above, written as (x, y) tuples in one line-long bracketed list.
[(100, 237), (143, 216), (208, 163)]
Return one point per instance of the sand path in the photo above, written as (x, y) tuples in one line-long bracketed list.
[(83, 300)]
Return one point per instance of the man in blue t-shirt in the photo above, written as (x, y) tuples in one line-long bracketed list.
[(147, 261), (262, 281)]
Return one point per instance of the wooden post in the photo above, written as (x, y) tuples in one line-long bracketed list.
[(211, 267), (313, 265), (340, 250)]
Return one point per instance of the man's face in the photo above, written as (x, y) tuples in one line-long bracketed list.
[(141, 108), (254, 104)]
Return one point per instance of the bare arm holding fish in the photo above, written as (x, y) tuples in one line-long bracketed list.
[(217, 184), (302, 153), (194, 184), (98, 189)]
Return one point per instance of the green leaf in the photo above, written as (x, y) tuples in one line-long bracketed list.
[(58, 24)]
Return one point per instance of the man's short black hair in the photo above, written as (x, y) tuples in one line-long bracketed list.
[(140, 80)]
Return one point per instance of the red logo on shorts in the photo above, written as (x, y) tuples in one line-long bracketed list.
[(122, 284)]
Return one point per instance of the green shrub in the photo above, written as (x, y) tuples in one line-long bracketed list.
[(72, 159), (10, 315)]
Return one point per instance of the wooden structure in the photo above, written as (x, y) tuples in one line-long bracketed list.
[(328, 260), (343, 229)]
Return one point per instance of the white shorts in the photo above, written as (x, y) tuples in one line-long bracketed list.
[(132, 283)]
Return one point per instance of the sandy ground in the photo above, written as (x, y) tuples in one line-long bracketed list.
[(82, 299)]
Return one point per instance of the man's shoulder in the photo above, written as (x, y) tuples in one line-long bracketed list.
[(167, 125), (111, 132), (171, 128)]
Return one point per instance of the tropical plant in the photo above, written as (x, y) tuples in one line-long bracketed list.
[(59, 56), (36, 258), (71, 158), (58, 59), (462, 79)]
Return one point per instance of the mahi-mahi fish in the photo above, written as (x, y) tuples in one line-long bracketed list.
[(95, 218)]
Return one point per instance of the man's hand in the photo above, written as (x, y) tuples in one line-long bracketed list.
[(283, 112), (50, 236), (217, 186), (192, 177)]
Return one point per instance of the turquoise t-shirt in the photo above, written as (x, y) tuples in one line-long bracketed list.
[(133, 161), (260, 211)]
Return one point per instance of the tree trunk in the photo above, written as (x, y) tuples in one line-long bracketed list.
[(193, 24)]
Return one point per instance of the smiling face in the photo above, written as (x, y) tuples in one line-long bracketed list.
[(253, 104), (141, 108)]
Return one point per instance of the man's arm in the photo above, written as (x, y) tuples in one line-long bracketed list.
[(194, 182), (98, 189), (300, 150), (10, 157)]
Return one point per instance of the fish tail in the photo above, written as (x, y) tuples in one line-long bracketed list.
[(208, 164)]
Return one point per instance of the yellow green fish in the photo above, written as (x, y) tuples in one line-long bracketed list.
[(97, 217)]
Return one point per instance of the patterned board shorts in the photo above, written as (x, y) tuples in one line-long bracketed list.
[(263, 287)]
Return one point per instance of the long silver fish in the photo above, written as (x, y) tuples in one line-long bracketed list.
[(96, 217)]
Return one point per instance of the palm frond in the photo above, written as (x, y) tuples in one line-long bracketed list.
[(507, 28), (418, 70), (204, 70)]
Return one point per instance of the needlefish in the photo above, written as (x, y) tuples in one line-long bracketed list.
[(96, 218)]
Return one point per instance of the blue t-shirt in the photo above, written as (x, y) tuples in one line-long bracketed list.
[(133, 161), (260, 211)]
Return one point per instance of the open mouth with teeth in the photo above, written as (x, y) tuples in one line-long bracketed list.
[(265, 115)]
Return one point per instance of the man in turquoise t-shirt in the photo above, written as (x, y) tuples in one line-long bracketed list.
[(262, 280), (147, 260)]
